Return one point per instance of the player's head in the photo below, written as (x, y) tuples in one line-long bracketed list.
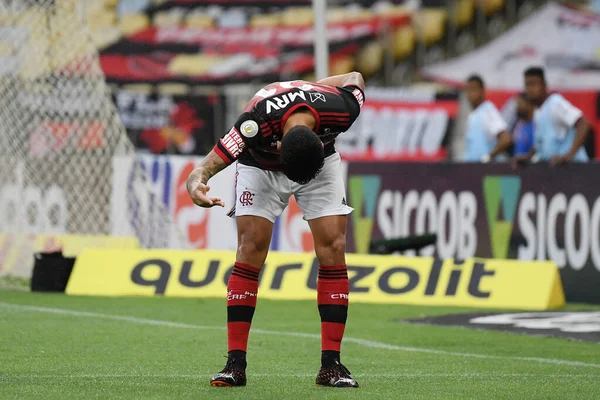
[(302, 154), (535, 85), (474, 88), (524, 107)]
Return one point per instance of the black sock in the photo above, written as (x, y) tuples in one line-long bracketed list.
[(239, 356), (329, 358)]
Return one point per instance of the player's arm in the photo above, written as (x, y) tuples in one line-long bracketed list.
[(504, 141), (496, 127), (582, 130), (349, 79), (523, 159), (197, 181), (225, 152), (569, 116)]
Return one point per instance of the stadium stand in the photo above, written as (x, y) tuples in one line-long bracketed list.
[(197, 51), (407, 33)]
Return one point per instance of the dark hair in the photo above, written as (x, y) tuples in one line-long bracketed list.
[(302, 154), (477, 79), (536, 71)]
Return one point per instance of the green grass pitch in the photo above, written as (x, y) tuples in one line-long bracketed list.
[(61, 347)]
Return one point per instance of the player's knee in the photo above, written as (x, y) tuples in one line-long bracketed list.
[(252, 249), (335, 245), (338, 246)]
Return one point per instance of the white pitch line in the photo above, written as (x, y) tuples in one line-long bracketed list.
[(362, 342), (277, 375)]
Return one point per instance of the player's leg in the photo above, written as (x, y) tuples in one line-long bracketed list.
[(260, 199), (332, 297), (254, 237), (323, 204)]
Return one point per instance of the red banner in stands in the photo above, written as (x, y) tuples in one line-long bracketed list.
[(221, 38), (157, 67), (211, 55)]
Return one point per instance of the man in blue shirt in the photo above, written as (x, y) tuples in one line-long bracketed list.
[(560, 128), (486, 135), (523, 130)]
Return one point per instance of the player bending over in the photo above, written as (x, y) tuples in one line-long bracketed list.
[(284, 145)]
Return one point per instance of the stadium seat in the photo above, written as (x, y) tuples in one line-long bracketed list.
[(297, 16), (198, 19), (232, 18), (404, 41), (431, 25), (464, 13), (131, 23), (102, 18), (345, 14), (491, 7), (266, 20), (192, 65), (370, 58), (341, 65), (169, 18)]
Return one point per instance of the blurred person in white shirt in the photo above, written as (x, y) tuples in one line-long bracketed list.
[(487, 135), (560, 128)]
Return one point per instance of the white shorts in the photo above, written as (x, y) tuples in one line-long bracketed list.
[(266, 193)]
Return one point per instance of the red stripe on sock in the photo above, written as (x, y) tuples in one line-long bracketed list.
[(328, 267), (248, 267)]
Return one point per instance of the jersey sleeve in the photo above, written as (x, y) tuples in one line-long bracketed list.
[(358, 93), (241, 135), (564, 113), (493, 122), (354, 100)]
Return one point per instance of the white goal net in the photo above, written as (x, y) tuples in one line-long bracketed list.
[(59, 130)]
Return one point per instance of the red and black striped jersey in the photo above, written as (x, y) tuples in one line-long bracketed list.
[(253, 138)]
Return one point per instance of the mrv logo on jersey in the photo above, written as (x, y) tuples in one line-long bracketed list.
[(284, 100)]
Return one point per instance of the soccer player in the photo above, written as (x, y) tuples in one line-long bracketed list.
[(284, 145), (486, 135), (523, 130), (560, 128)]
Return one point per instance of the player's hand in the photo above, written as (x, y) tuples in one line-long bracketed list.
[(519, 161), (198, 193), (559, 160)]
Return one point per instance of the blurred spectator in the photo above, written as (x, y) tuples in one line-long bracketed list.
[(560, 128), (523, 130), (486, 135)]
